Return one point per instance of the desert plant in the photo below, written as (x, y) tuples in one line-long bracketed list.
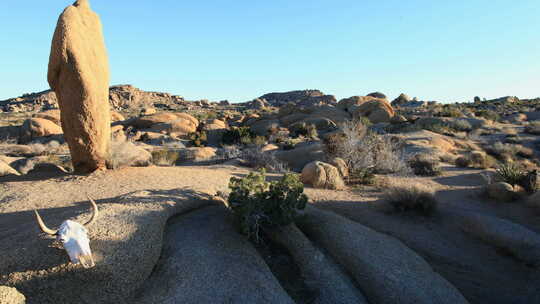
[(198, 139), (533, 128), (362, 149), (258, 159), (425, 165), (503, 152), (124, 153), (450, 111), (510, 173), (259, 205), (488, 114), (411, 197), (237, 136), (306, 130), (461, 125), (361, 177), (165, 157), (463, 162)]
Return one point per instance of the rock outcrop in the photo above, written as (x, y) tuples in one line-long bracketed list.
[(10, 295), (377, 110), (299, 98), (38, 127), (322, 175), (81, 84)]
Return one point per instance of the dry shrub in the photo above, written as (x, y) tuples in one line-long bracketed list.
[(124, 154), (165, 157), (258, 159), (503, 152), (425, 165), (364, 150), (407, 196), (533, 128), (477, 160)]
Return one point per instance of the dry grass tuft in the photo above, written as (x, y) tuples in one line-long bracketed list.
[(414, 197)]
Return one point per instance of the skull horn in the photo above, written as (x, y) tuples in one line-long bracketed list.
[(95, 213), (44, 227)]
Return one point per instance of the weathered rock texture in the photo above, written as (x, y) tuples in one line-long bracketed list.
[(10, 295), (79, 74), (322, 175)]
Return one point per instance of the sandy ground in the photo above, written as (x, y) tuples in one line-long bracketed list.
[(141, 200)]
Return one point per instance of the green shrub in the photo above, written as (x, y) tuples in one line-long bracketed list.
[(259, 205), (411, 197), (510, 173), (237, 136)]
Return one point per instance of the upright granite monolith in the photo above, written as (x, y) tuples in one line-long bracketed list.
[(79, 74)]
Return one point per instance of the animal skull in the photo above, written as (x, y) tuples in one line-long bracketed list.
[(74, 237)]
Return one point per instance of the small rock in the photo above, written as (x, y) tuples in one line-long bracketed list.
[(501, 191)]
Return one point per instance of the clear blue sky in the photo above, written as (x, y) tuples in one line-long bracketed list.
[(238, 50)]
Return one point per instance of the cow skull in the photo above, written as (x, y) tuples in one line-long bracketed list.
[(74, 237)]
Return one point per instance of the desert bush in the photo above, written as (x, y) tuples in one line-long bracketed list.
[(198, 139), (488, 114), (165, 157), (259, 140), (450, 111), (523, 151), (229, 152), (306, 130), (411, 197), (259, 205), (461, 125), (238, 136), (361, 177), (362, 150), (258, 159), (124, 153), (510, 173), (463, 162), (533, 128), (425, 165), (503, 152)]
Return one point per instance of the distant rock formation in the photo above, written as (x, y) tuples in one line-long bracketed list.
[(81, 84), (121, 97), (300, 98)]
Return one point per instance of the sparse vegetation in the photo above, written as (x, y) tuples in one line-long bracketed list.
[(488, 114), (411, 197), (238, 136), (425, 165), (514, 174), (364, 150), (533, 128), (125, 153), (306, 130), (165, 157), (259, 205), (198, 139), (258, 159)]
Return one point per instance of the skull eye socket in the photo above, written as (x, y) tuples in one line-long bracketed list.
[(61, 238)]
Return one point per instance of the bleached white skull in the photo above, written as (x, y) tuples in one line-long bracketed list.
[(74, 237)]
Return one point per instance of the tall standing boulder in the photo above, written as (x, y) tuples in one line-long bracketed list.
[(79, 74)]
